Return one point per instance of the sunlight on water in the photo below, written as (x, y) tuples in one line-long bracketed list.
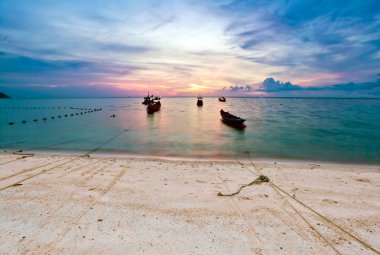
[(316, 129)]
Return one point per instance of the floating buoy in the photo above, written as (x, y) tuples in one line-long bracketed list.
[(113, 116), (71, 114), (44, 119), (52, 118), (81, 113), (65, 115), (76, 114), (35, 120), (11, 123), (23, 122), (59, 116)]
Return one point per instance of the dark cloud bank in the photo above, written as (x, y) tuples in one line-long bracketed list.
[(275, 87)]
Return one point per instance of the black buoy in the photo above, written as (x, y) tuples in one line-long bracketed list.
[(23, 122), (52, 118), (65, 115), (11, 123), (76, 114), (59, 116), (71, 114), (35, 120), (113, 116), (44, 119)]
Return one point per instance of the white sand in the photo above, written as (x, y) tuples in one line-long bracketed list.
[(71, 205)]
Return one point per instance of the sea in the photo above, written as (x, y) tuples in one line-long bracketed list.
[(313, 129)]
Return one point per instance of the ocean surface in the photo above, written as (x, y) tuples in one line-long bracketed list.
[(338, 130)]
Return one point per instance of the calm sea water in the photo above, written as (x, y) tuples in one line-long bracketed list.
[(343, 130)]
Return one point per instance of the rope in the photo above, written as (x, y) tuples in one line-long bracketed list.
[(363, 243), (86, 154), (258, 180)]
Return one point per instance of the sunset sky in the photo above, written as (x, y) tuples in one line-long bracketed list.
[(183, 48)]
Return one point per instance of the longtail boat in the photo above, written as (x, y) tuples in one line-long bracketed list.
[(222, 99), (153, 107), (232, 120)]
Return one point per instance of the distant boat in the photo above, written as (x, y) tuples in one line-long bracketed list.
[(153, 107), (147, 100), (157, 98), (232, 120), (222, 99), (200, 101)]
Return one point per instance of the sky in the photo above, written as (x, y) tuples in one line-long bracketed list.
[(70, 48)]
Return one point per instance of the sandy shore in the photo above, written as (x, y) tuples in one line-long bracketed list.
[(90, 205)]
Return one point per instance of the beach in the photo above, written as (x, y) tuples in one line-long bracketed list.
[(100, 204)]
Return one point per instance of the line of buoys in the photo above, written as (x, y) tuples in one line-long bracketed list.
[(33, 108), (49, 107), (60, 116)]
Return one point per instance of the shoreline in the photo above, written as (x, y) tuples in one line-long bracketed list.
[(94, 205), (129, 155)]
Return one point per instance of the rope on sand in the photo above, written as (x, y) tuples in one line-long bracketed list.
[(258, 180), (70, 160), (279, 189)]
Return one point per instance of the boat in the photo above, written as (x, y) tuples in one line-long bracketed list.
[(222, 99), (200, 101), (148, 100), (232, 120), (157, 97), (153, 107)]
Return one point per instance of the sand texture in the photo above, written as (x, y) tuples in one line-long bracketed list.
[(55, 204)]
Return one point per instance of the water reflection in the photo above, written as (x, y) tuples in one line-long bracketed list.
[(319, 129)]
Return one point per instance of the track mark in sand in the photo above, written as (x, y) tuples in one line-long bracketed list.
[(278, 189), (92, 174), (26, 170), (76, 219), (58, 209), (77, 168), (37, 174), (10, 161), (252, 231)]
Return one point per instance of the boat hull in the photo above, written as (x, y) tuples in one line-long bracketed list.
[(153, 107), (232, 120)]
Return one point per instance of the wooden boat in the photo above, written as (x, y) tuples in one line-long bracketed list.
[(200, 101), (222, 99), (148, 100), (232, 120), (153, 107)]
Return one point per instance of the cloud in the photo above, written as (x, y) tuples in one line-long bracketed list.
[(82, 43), (275, 87), (271, 85), (234, 88)]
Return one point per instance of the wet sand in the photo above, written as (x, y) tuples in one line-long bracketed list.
[(55, 204)]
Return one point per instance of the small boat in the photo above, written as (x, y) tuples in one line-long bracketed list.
[(232, 120), (200, 101), (157, 98), (153, 107), (147, 100), (222, 99)]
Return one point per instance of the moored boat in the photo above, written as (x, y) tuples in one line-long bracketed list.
[(200, 101), (148, 100), (222, 99), (232, 120), (153, 107)]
